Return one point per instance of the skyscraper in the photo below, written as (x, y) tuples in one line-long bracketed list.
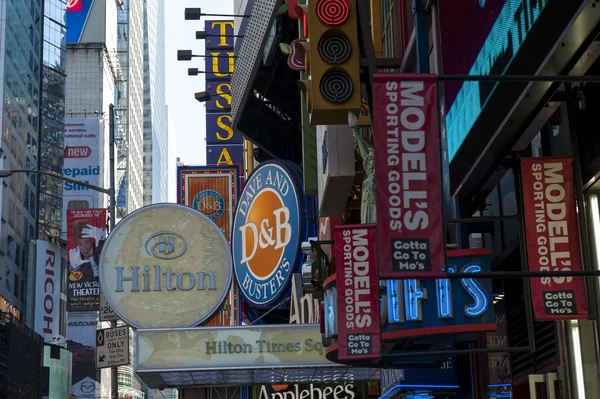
[(130, 107), (155, 111), (21, 61)]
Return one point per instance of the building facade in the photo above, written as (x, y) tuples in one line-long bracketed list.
[(21, 71), (155, 109), (129, 110)]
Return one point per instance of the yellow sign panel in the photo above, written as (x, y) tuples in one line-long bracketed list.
[(231, 347), (165, 265)]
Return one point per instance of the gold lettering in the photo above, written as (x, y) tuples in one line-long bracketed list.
[(222, 31), (226, 95), (225, 127), (215, 64), (224, 158)]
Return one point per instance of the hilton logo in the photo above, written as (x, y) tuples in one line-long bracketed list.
[(166, 245)]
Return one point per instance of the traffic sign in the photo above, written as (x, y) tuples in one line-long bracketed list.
[(106, 311), (112, 347)]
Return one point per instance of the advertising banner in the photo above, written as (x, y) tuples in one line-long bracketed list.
[(83, 161), (552, 235), (417, 308), (359, 336), (85, 238), (81, 342), (410, 222), (47, 296)]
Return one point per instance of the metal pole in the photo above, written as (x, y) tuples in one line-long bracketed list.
[(111, 148), (422, 36), (112, 215), (516, 170)]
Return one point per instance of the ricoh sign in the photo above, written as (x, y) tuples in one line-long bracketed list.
[(165, 265), (48, 286)]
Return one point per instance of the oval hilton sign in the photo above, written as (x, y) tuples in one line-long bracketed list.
[(165, 265)]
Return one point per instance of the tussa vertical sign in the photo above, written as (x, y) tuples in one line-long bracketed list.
[(359, 336), (224, 147), (552, 237), (410, 222)]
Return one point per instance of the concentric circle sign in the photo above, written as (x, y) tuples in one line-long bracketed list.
[(165, 265), (267, 233)]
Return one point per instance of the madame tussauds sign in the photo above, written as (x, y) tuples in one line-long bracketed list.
[(165, 265)]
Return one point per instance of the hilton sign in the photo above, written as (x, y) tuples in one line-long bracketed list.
[(178, 277)]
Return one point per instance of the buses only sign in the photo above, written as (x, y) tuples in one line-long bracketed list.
[(112, 347)]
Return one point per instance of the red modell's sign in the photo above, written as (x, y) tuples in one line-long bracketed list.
[(553, 238), (359, 336), (410, 223)]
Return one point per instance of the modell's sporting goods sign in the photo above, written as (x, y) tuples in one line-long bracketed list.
[(359, 336), (410, 223), (553, 238)]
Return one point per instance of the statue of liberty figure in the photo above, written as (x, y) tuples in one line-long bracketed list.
[(365, 147)]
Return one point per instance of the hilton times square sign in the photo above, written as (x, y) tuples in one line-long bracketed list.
[(165, 265)]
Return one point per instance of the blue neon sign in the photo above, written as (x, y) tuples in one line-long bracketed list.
[(443, 305), (512, 26)]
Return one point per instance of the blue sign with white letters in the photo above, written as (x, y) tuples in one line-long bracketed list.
[(443, 306)]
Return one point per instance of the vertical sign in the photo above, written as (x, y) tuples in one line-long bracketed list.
[(359, 336), (224, 147), (410, 223), (85, 238), (553, 238), (83, 161), (47, 296)]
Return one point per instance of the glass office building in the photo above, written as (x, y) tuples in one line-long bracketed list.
[(155, 109)]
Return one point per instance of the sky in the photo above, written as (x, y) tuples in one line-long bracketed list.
[(186, 115)]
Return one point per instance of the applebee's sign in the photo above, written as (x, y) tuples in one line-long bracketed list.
[(311, 391), (269, 226)]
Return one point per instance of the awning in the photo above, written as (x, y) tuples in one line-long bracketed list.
[(230, 356), (265, 98)]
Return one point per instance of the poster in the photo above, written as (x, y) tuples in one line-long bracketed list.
[(552, 235), (47, 296), (410, 222), (359, 336), (85, 237), (81, 342)]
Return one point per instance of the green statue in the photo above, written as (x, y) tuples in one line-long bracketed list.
[(368, 212)]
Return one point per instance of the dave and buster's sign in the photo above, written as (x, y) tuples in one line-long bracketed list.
[(410, 223), (269, 226)]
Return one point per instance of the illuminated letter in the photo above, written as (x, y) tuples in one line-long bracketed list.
[(475, 290), (444, 297), (215, 64), (226, 95), (395, 301), (413, 294), (224, 158), (225, 127), (222, 31)]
